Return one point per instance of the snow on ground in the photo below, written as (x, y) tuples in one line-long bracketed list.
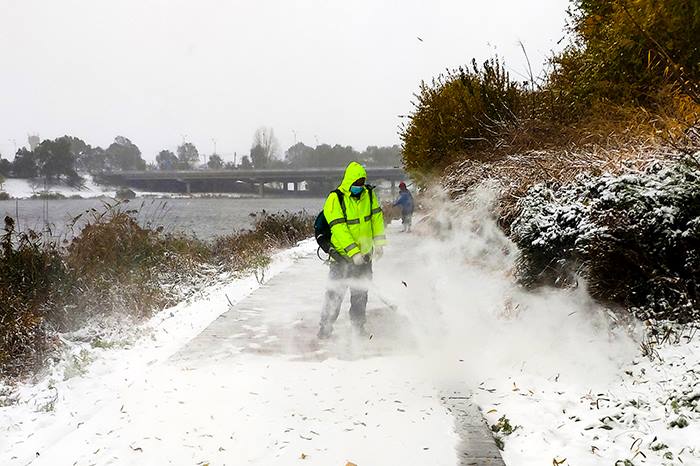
[(233, 403), (20, 188), (37, 415), (553, 362), (650, 413), (566, 376), (263, 411)]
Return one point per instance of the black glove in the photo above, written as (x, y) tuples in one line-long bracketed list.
[(335, 255)]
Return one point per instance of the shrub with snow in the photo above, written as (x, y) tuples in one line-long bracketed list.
[(634, 237)]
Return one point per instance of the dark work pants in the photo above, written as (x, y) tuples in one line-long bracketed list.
[(342, 275)]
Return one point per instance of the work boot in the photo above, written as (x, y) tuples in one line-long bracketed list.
[(325, 332)]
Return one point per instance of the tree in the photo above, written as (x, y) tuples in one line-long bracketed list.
[(93, 160), (166, 160), (55, 160), (87, 158), (215, 162), (382, 156), (257, 155), (187, 155), (245, 163), (627, 50), (123, 154), (264, 147), (325, 155), (334, 156), (299, 155), (77, 146), (24, 165), (5, 167)]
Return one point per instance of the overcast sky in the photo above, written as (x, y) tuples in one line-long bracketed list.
[(160, 71)]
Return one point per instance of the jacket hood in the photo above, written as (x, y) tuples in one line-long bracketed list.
[(353, 172)]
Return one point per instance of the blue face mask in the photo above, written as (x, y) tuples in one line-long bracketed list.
[(356, 189)]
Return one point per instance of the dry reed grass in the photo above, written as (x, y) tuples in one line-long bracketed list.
[(612, 140), (115, 266)]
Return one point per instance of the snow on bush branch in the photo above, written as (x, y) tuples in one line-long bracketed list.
[(634, 237)]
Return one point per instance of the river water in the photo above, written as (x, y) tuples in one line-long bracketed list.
[(203, 218)]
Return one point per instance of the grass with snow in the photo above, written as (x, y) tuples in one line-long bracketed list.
[(651, 415)]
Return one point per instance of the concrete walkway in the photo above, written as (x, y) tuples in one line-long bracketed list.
[(257, 388), (280, 320)]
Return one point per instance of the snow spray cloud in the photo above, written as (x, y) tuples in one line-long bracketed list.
[(471, 320)]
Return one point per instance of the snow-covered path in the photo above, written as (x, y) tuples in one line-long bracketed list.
[(256, 387), (236, 375)]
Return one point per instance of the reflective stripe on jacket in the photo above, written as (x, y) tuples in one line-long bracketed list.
[(364, 226)]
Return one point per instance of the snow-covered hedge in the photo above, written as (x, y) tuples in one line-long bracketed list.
[(634, 237)]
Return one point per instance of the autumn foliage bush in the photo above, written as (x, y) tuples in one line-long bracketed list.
[(457, 110), (621, 96), (626, 51), (631, 72)]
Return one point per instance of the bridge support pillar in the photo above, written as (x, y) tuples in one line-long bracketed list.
[(393, 188), (188, 187), (261, 189)]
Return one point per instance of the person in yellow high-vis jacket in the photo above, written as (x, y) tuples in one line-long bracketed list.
[(357, 235)]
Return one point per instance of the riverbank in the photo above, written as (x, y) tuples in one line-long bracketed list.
[(21, 188), (109, 355), (252, 385), (204, 218), (114, 266)]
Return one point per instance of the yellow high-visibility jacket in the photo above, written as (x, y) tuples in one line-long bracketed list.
[(364, 226)]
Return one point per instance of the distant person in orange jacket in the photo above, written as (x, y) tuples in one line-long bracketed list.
[(405, 200)]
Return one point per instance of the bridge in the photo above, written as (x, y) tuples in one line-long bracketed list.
[(317, 180)]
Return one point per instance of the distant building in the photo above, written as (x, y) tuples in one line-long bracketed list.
[(33, 140)]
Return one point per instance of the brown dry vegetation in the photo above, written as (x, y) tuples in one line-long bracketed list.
[(114, 266), (535, 153), (629, 77), (623, 95)]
